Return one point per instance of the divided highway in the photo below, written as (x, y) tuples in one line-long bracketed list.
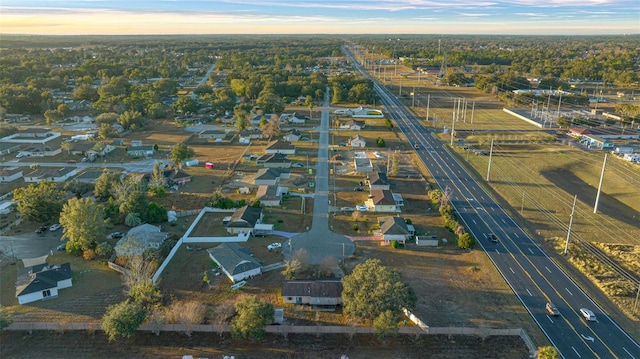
[(533, 276)]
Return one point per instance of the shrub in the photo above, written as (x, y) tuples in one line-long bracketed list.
[(88, 254), (355, 227)]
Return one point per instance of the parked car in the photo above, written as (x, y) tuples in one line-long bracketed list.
[(551, 309), (362, 208), (274, 245), (55, 227), (42, 229), (71, 161), (62, 247), (342, 144), (347, 209), (115, 235), (588, 315), (297, 165), (358, 189)]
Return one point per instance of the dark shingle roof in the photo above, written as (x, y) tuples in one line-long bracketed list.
[(245, 216), (234, 258), (41, 277), (382, 197), (326, 288), (379, 179), (393, 225)]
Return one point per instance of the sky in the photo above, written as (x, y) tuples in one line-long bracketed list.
[(525, 17)]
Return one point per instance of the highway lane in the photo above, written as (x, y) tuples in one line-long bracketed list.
[(533, 276)]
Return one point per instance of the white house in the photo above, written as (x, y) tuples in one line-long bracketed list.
[(141, 151), (357, 141), (381, 201), (297, 118), (42, 281), (9, 174), (353, 125), (378, 180), (139, 239), (292, 135), (54, 174), (394, 229), (235, 261), (321, 292), (243, 220)]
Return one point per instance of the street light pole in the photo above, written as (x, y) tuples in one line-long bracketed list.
[(573, 210), (595, 207)]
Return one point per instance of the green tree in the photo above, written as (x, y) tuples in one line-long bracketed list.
[(386, 324), (132, 219), (41, 202), (252, 316), (466, 241), (181, 152), (380, 142), (372, 289), (308, 101), (132, 120), (5, 318), (104, 183), (135, 202), (104, 249), (138, 279), (548, 352), (85, 92), (157, 213), (83, 223), (186, 105), (123, 319)]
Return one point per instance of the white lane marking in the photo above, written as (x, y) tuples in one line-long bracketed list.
[(482, 197), (578, 354), (548, 270), (497, 251), (551, 320), (474, 221), (502, 219), (516, 234), (493, 209), (587, 338), (512, 270), (529, 292), (568, 291), (530, 250), (625, 349)]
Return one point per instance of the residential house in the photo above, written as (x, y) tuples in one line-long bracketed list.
[(39, 151), (381, 201), (378, 180), (10, 174), (354, 125), (255, 121), (243, 220), (292, 135), (7, 148), (274, 160), (270, 176), (357, 141), (80, 148), (54, 174), (176, 176), (228, 120), (235, 261), (251, 133), (363, 165), (35, 132), (320, 293), (42, 281), (395, 229), (279, 146), (139, 239), (270, 196), (88, 176), (212, 135), (137, 151), (296, 118)]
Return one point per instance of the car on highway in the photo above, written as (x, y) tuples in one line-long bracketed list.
[(588, 314), (274, 245), (362, 208), (492, 237), (416, 146), (115, 235), (55, 227), (552, 309)]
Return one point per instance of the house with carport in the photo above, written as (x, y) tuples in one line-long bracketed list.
[(381, 200), (393, 228), (235, 261)]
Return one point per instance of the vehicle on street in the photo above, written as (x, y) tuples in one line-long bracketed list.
[(362, 208), (342, 144), (116, 235), (358, 189), (551, 309), (274, 245), (42, 229), (312, 184), (297, 165), (347, 209), (416, 146), (588, 314), (55, 227), (492, 237), (62, 247), (71, 161)]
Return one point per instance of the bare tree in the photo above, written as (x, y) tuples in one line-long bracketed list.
[(188, 314)]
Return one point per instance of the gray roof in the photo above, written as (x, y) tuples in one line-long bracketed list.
[(273, 158), (280, 145), (41, 277), (244, 217), (267, 174), (234, 258), (379, 178), (393, 225), (266, 193), (323, 288)]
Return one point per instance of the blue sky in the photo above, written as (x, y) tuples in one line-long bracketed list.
[(560, 17)]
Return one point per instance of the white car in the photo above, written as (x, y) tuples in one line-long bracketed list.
[(55, 227), (274, 245), (588, 314), (362, 208)]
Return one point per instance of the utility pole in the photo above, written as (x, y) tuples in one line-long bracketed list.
[(413, 97), (490, 156), (595, 207), (635, 305), (453, 125), (573, 211), (473, 106), (522, 207), (428, 101)]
